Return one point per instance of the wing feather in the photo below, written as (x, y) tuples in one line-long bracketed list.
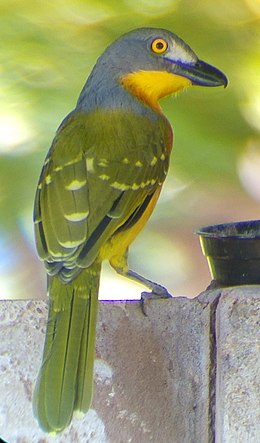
[(93, 182)]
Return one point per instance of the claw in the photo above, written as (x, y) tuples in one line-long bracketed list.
[(157, 293)]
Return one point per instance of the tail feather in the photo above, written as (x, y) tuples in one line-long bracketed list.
[(65, 379), (86, 361)]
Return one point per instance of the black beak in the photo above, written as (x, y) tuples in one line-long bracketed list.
[(201, 73)]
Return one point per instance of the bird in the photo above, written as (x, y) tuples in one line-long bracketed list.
[(99, 184)]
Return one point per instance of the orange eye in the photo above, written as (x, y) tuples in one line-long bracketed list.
[(159, 46)]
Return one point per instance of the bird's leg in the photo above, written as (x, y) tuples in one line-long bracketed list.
[(157, 291)]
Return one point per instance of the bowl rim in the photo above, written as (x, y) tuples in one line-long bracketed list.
[(224, 230)]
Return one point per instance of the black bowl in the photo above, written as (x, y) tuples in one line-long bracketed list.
[(233, 252)]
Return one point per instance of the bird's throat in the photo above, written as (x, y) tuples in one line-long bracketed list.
[(151, 86)]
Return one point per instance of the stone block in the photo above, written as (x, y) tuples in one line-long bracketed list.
[(188, 372)]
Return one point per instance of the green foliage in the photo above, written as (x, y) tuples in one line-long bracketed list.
[(49, 48)]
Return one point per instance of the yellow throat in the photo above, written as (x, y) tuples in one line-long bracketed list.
[(150, 86)]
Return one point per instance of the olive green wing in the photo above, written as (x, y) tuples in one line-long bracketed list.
[(94, 179)]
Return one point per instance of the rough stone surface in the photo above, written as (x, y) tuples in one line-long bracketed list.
[(22, 328), (160, 363), (238, 366), (187, 371)]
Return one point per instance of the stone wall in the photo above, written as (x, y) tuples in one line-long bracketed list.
[(188, 372)]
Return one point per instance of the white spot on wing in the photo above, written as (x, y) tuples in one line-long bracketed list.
[(58, 168), (48, 179), (103, 162), (135, 186), (71, 244), (121, 186), (104, 177), (76, 216), (90, 164), (153, 161), (75, 185)]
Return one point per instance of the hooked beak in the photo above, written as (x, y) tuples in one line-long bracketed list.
[(201, 73)]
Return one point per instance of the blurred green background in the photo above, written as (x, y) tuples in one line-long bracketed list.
[(48, 50)]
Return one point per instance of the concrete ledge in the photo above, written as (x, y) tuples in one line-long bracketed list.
[(238, 366), (188, 372)]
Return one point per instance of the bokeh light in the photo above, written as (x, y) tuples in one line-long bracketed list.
[(48, 50)]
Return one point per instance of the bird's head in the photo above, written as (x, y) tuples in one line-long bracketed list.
[(152, 63)]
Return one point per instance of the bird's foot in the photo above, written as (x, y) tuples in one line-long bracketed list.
[(157, 292)]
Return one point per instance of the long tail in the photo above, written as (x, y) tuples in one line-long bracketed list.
[(65, 379)]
